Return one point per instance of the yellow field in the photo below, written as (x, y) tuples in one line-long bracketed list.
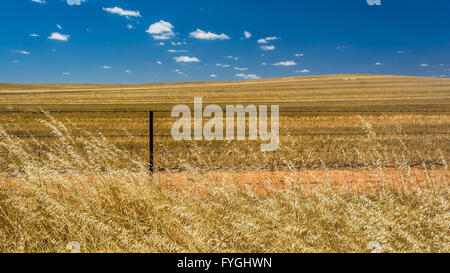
[(362, 166), (326, 118), (341, 92)]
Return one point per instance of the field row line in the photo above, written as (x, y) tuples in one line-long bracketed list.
[(281, 111), (163, 135)]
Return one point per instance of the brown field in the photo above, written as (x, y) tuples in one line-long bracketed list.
[(363, 161)]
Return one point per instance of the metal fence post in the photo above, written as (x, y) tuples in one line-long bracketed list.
[(151, 152)]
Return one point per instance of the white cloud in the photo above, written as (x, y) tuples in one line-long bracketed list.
[(213, 76), (247, 35), (59, 37), (248, 77), (266, 40), (161, 30), (379, 63), (231, 57), (161, 43), (122, 12), (186, 59), (268, 48), (130, 26), (202, 35), (127, 71), (424, 65), (240, 68), (106, 67), (178, 72), (158, 62), (39, 1), (299, 55), (263, 63), (286, 63), (303, 71), (223, 65), (24, 52), (15, 61), (176, 51), (58, 26), (178, 43), (374, 2), (66, 73), (401, 52), (75, 2), (34, 35)]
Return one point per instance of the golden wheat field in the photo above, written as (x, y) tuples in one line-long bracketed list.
[(362, 167)]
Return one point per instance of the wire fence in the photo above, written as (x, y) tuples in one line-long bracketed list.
[(151, 135)]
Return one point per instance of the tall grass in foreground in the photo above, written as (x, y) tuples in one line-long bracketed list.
[(81, 199)]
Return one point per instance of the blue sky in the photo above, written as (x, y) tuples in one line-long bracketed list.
[(136, 41)]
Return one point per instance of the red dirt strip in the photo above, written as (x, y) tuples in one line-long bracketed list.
[(264, 182)]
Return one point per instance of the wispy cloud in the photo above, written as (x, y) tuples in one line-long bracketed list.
[(266, 40), (178, 43), (231, 57), (186, 59), (39, 1), (379, 63), (24, 52), (286, 63), (223, 65), (58, 26), (299, 55), (213, 76), (202, 35), (59, 37), (106, 67), (240, 68), (248, 76), (66, 73), (178, 72), (303, 71), (342, 47), (75, 2), (161, 30), (374, 2), (176, 50), (268, 47), (122, 12), (424, 65), (158, 62), (34, 35)]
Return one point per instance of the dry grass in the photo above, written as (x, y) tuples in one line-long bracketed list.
[(105, 209), (336, 140), (61, 182)]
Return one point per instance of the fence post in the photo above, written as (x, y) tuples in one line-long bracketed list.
[(151, 154)]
